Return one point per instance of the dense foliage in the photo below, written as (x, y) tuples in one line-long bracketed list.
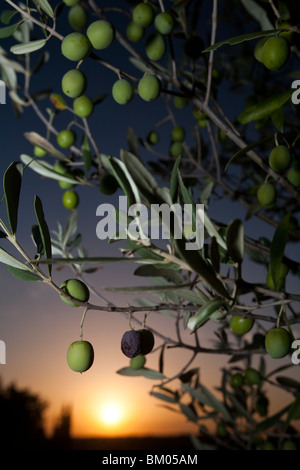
[(227, 129)]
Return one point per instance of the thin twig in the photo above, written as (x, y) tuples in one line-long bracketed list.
[(211, 54)]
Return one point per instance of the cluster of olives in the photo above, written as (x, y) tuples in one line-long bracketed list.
[(136, 344), (80, 354), (250, 377), (177, 137), (277, 340), (273, 52), (280, 160)]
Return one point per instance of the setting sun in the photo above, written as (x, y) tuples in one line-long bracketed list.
[(110, 414)]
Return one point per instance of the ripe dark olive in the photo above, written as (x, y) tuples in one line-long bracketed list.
[(147, 341), (131, 343)]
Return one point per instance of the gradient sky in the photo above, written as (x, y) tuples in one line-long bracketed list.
[(38, 328)]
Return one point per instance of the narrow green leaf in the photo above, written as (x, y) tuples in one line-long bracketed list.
[(45, 169), (143, 372), (164, 397), (37, 239), (265, 107), (144, 180), (214, 254), (188, 411), (201, 267), (45, 6), (148, 289), (188, 200), (125, 180), (174, 180), (205, 397), (204, 313), (7, 31), (241, 38), (28, 47), (172, 275), (294, 411), (241, 409), (288, 382), (235, 240), (278, 119), (258, 13), (246, 149), (8, 259), (39, 212), (12, 185), (24, 275), (86, 153), (7, 15), (40, 141), (269, 422), (278, 244)]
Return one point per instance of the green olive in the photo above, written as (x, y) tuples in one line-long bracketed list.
[(149, 87), (143, 14), (75, 289), (70, 199), (155, 46), (122, 91), (66, 138), (101, 34), (280, 158), (275, 53), (164, 22), (83, 106), (80, 356), (76, 46), (278, 343), (78, 18), (134, 31), (240, 325), (266, 194), (137, 362)]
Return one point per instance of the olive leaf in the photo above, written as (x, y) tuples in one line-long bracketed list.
[(35, 139), (7, 15), (278, 244), (235, 240), (142, 372), (122, 175), (264, 108), (45, 235), (45, 6), (12, 185), (86, 153), (47, 170), (23, 275), (7, 31), (200, 266), (205, 312), (241, 38), (174, 180), (28, 47), (10, 260), (246, 149)]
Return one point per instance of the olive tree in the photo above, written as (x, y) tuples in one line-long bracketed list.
[(240, 145)]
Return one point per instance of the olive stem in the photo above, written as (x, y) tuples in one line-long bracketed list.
[(82, 322)]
